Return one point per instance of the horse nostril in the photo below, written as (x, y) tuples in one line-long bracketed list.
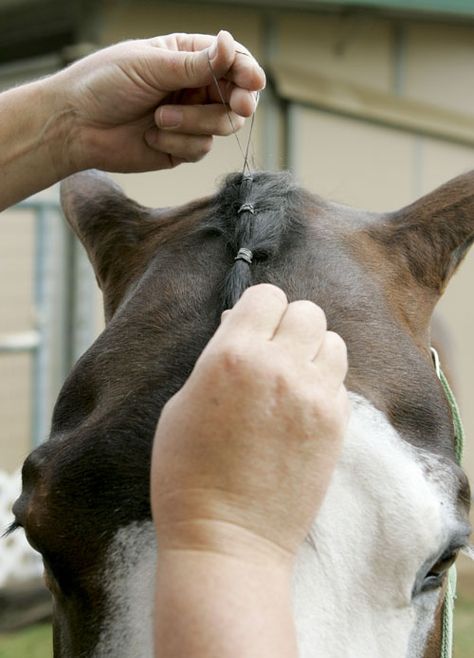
[(33, 465)]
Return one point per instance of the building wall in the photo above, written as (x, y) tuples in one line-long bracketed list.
[(16, 258)]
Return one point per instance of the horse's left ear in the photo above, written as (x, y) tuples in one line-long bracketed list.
[(432, 235), (109, 225)]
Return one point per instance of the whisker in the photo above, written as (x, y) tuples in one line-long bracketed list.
[(10, 529)]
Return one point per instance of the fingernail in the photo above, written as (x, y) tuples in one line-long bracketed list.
[(169, 117)]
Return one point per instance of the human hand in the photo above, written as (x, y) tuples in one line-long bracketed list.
[(153, 103), (244, 452)]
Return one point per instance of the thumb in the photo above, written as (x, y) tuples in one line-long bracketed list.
[(193, 69)]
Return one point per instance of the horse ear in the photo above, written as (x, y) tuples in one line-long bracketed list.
[(432, 235), (109, 225)]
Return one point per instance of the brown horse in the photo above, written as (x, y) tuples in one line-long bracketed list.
[(369, 581)]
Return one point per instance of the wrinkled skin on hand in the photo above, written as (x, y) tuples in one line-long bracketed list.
[(244, 452), (153, 103)]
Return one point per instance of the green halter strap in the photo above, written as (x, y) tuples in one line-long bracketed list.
[(448, 608)]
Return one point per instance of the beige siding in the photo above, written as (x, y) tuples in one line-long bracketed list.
[(16, 303), (143, 20), (440, 66), (352, 161), (15, 410), (16, 258), (355, 49)]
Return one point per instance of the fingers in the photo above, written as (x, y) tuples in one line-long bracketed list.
[(302, 330), (198, 119), (299, 329), (303, 334), (192, 61), (331, 360), (245, 71), (182, 148), (181, 69), (257, 314), (243, 102)]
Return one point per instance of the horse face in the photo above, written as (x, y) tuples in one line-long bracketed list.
[(369, 579)]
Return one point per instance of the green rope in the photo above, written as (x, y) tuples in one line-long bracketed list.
[(448, 608), (458, 427)]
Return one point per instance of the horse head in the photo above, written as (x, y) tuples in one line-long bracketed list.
[(370, 578)]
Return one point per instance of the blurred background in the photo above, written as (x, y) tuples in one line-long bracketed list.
[(369, 102)]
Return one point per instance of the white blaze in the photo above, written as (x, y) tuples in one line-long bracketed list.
[(129, 585), (381, 520)]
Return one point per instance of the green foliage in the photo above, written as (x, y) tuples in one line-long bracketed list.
[(33, 642)]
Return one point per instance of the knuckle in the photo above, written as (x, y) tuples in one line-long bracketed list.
[(188, 151), (174, 161), (189, 64), (319, 315), (337, 347), (336, 341), (230, 357), (207, 144), (310, 310), (265, 291), (243, 362), (201, 147), (230, 124)]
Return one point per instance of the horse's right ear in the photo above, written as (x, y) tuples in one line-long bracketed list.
[(432, 235), (109, 225)]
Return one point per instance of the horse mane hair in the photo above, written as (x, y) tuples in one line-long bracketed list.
[(276, 215)]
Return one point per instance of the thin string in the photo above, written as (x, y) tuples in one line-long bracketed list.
[(244, 154), (249, 141)]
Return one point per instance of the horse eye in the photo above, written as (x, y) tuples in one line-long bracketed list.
[(434, 577)]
